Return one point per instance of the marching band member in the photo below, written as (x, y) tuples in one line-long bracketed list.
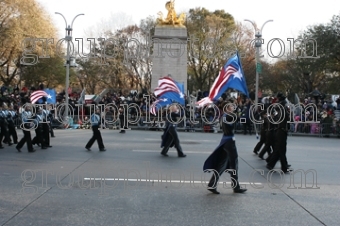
[(170, 136), (27, 124), (95, 122), (225, 156)]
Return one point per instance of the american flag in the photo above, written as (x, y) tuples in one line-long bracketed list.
[(231, 76), (156, 105), (36, 95), (167, 84)]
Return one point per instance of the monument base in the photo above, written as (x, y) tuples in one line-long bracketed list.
[(169, 54)]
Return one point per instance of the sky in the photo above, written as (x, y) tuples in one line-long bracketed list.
[(290, 17)]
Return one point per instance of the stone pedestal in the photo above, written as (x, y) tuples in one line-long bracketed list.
[(169, 54)]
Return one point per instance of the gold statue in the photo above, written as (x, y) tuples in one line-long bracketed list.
[(171, 18)]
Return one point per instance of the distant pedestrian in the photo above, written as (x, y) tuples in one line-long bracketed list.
[(95, 123)]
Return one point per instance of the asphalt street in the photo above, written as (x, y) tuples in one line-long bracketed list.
[(132, 184)]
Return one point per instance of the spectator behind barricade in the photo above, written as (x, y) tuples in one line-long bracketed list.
[(297, 118), (86, 124), (325, 105), (338, 103)]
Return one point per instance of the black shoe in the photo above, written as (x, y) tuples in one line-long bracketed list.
[(33, 150), (240, 190), (213, 190), (285, 170), (255, 152), (269, 167), (10, 144), (1, 147), (289, 166), (49, 146), (18, 149), (164, 154), (88, 149), (103, 149), (52, 136), (261, 157), (43, 147), (182, 156)]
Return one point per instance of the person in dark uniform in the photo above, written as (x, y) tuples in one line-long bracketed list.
[(95, 122), (262, 134), (46, 127), (50, 119), (4, 134), (170, 136), (39, 136), (281, 133), (12, 115), (270, 138), (122, 120), (27, 124), (225, 155)]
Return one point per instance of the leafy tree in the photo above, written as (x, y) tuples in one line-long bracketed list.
[(209, 33), (20, 19)]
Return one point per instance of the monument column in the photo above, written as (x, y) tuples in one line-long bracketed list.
[(170, 49)]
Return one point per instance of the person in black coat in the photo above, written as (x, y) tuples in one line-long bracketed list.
[(281, 134), (225, 156), (170, 136), (262, 141)]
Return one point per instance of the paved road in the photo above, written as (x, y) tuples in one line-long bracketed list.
[(132, 184)]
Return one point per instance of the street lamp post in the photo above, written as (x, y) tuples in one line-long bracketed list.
[(258, 43), (68, 39)]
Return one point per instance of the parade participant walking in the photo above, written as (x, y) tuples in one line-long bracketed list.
[(270, 137), (281, 133), (4, 125), (95, 122), (12, 115), (39, 135), (263, 132), (27, 124), (170, 136), (46, 127), (122, 120), (225, 155)]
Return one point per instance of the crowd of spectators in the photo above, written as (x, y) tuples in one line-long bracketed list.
[(326, 112)]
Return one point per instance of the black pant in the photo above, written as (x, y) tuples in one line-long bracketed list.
[(280, 149), (228, 160), (46, 134), (172, 136), (261, 142), (269, 144), (12, 132), (39, 137), (123, 126), (27, 139), (96, 136), (4, 133)]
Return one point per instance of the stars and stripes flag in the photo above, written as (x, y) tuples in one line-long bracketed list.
[(36, 95), (231, 76), (171, 89), (51, 96), (168, 91), (156, 105)]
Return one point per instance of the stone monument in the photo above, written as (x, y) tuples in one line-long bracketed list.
[(170, 48)]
